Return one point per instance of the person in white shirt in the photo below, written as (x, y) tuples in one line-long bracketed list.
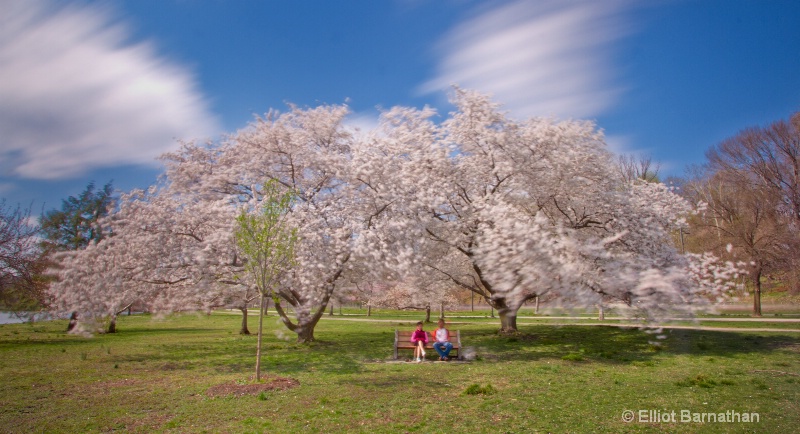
[(441, 342)]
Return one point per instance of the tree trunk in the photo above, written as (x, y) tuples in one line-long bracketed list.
[(428, 313), (369, 309), (508, 313), (757, 294), (508, 320), (601, 315), (537, 306), (112, 326), (305, 334), (330, 311), (260, 333), (305, 325), (244, 330), (73, 321), (305, 322), (441, 311)]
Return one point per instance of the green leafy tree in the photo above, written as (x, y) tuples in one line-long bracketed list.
[(267, 242), (76, 224)]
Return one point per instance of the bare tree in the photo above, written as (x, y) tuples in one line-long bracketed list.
[(766, 161), (20, 259), (740, 221), (768, 157), (631, 168)]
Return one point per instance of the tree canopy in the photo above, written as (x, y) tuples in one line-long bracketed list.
[(77, 223), (507, 209)]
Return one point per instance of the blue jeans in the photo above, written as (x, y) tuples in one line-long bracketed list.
[(447, 347)]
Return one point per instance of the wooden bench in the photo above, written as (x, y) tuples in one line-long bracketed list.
[(402, 341)]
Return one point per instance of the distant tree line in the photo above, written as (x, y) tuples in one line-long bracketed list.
[(749, 196)]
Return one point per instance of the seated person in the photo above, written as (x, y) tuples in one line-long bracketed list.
[(419, 338), (442, 343)]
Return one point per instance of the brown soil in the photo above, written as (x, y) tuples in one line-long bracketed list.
[(233, 389)]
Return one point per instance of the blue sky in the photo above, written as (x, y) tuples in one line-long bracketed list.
[(95, 90)]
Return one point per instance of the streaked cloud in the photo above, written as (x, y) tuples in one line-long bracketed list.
[(622, 144), (363, 122), (538, 58), (77, 94)]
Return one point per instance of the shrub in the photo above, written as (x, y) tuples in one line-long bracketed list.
[(700, 380), (477, 389), (573, 357)]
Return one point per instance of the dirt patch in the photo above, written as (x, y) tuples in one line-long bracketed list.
[(233, 389)]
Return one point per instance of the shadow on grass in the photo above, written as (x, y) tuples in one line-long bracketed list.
[(343, 347), (616, 345), (346, 352)]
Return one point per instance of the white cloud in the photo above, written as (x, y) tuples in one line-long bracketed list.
[(363, 122), (622, 144), (544, 58), (75, 94)]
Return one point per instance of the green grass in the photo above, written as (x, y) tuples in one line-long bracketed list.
[(153, 375)]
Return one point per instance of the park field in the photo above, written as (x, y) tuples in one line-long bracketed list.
[(194, 373)]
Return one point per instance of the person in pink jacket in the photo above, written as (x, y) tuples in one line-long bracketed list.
[(419, 338)]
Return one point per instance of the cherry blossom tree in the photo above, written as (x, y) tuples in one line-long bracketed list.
[(95, 284), (516, 210), (177, 243), (343, 198), (166, 252)]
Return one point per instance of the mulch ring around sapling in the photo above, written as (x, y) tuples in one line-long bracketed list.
[(238, 390)]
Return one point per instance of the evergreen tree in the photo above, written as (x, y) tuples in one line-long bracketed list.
[(76, 224)]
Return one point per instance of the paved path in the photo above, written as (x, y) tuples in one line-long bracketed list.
[(572, 322), (623, 325), (619, 318)]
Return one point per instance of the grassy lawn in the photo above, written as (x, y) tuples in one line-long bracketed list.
[(154, 375)]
